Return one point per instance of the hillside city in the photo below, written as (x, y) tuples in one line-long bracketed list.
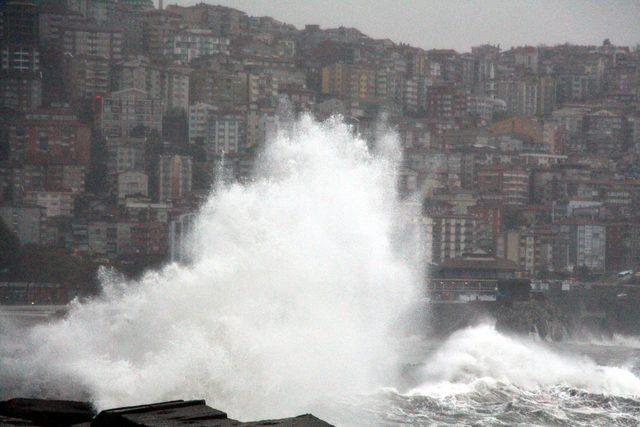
[(117, 116)]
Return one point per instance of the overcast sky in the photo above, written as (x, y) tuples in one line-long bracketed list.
[(461, 24)]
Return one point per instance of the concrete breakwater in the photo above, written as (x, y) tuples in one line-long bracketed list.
[(50, 413)]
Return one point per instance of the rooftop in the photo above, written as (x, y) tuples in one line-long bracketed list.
[(479, 261)]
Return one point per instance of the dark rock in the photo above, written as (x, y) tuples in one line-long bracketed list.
[(176, 412), (9, 421), (191, 412), (540, 317), (306, 420), (40, 412), (47, 412)]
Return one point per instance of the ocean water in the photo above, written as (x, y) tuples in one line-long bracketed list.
[(479, 376), (302, 294)]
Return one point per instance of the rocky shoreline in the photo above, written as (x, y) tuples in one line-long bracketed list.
[(541, 318), (57, 413), (595, 313)]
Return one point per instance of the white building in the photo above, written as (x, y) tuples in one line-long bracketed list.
[(126, 156), (520, 96), (129, 108), (542, 159), (139, 73), (571, 118), (198, 120), (81, 39), (56, 203), (588, 246), (584, 208), (132, 183), (175, 88), (225, 133), (19, 58), (410, 95), (484, 106), (191, 43)]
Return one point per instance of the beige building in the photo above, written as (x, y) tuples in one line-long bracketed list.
[(126, 109), (169, 83), (225, 90), (158, 26), (349, 81), (449, 236), (535, 250), (174, 177)]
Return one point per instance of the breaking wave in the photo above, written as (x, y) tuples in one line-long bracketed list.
[(482, 377), (483, 357), (296, 299), (294, 294)]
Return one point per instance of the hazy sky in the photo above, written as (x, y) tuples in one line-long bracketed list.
[(461, 24)]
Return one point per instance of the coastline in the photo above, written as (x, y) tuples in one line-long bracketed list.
[(585, 313)]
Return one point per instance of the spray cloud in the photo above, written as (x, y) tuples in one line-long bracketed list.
[(292, 295)]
